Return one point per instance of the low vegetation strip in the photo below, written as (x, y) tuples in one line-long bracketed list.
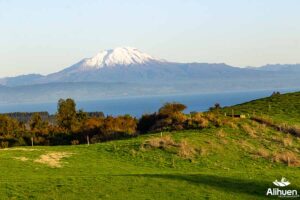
[(75, 127), (182, 148), (294, 130)]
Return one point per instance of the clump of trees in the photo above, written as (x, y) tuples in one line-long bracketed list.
[(24, 117), (170, 117), (79, 127), (72, 126), (216, 108), (275, 93), (10, 131)]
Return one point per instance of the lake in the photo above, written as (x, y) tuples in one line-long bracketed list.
[(136, 106)]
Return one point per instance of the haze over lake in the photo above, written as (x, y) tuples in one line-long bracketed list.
[(136, 106)]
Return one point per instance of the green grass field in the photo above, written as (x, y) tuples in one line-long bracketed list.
[(282, 108), (239, 160)]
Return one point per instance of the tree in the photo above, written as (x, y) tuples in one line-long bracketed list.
[(9, 126), (216, 107), (36, 121), (169, 117), (81, 116), (275, 93), (66, 116), (146, 122), (171, 108)]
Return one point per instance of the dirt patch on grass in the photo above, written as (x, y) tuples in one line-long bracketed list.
[(21, 158), (53, 159)]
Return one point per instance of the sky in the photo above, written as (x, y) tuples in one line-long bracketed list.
[(47, 36)]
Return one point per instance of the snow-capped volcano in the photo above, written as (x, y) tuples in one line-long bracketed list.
[(114, 57), (129, 72)]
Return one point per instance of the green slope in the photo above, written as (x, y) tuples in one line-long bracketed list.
[(229, 166), (284, 107), (238, 159)]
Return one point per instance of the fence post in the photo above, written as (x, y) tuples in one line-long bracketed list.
[(88, 140)]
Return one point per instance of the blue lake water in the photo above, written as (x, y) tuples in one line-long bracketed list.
[(136, 106)]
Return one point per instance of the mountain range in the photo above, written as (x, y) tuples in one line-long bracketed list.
[(126, 71)]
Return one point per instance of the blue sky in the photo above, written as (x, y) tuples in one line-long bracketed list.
[(46, 36)]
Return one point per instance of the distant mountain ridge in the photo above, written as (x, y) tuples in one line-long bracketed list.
[(126, 71), (280, 67), (127, 64)]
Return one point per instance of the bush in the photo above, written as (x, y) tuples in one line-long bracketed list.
[(123, 124), (196, 121), (159, 142), (4, 144), (186, 150), (249, 130), (171, 108), (288, 158), (146, 122), (75, 142), (182, 149)]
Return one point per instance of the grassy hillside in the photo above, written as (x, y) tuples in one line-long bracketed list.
[(284, 108), (234, 159), (228, 163)]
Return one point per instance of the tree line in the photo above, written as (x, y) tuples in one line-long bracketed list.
[(72, 126)]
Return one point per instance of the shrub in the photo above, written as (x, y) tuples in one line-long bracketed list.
[(171, 108), (4, 144), (159, 142), (96, 139), (122, 124), (75, 142), (263, 153), (246, 146), (186, 150), (287, 141), (197, 120), (288, 158), (294, 130), (146, 122), (221, 133), (215, 119), (182, 149), (9, 126), (249, 130), (215, 108)]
